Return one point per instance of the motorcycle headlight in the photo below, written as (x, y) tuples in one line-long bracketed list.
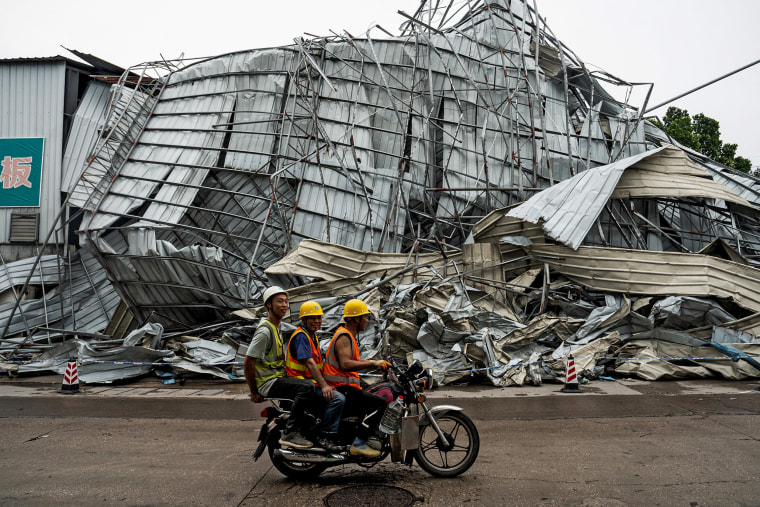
[(425, 380)]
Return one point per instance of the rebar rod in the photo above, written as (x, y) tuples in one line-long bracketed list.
[(724, 76)]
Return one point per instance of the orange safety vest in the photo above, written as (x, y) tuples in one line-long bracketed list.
[(294, 367), (332, 372)]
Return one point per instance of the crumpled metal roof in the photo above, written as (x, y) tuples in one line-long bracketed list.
[(391, 144), (78, 299), (391, 169), (655, 273), (45, 271), (320, 260), (569, 210)]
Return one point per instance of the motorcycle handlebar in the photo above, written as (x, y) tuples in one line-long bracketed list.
[(416, 374)]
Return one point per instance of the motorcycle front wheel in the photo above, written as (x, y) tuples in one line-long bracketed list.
[(455, 454)]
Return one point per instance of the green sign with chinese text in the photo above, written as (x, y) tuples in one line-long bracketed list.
[(20, 171)]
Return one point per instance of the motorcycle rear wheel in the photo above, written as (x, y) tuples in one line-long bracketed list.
[(456, 454), (292, 470)]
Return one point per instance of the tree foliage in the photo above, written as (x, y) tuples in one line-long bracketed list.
[(678, 125), (743, 164), (702, 133)]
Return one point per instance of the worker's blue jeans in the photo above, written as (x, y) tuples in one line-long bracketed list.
[(333, 411)]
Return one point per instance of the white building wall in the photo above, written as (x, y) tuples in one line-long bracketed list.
[(31, 105)]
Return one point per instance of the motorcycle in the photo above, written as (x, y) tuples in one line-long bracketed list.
[(442, 439)]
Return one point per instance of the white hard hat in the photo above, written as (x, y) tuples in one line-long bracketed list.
[(273, 291)]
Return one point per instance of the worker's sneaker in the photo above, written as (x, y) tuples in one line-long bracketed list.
[(375, 443), (296, 440), (360, 448), (328, 445)]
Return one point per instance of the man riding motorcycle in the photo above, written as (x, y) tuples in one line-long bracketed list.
[(303, 360), (342, 363), (264, 369)]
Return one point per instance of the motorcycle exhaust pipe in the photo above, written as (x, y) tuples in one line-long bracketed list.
[(309, 457)]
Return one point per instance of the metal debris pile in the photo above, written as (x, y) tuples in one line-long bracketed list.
[(470, 178), (464, 317)]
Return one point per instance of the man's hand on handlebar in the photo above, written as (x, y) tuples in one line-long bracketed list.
[(256, 398), (380, 363)]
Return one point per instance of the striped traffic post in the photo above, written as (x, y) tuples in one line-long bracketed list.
[(70, 384), (571, 379)]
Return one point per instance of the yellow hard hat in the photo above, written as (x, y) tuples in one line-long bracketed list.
[(310, 309), (355, 308)]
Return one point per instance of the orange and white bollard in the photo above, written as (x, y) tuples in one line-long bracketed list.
[(70, 384), (571, 379)]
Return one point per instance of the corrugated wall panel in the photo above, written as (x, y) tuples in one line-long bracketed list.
[(31, 105), (84, 132)]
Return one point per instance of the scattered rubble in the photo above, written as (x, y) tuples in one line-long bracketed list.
[(470, 179)]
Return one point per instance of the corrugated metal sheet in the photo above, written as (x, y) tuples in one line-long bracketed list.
[(207, 186), (125, 119), (46, 272), (330, 262), (672, 174), (743, 185), (497, 225), (511, 234), (84, 301), (655, 273), (32, 105), (557, 208), (568, 211), (373, 144), (85, 130)]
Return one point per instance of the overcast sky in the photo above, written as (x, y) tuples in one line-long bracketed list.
[(675, 44)]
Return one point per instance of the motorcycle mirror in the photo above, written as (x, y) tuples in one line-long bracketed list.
[(415, 368)]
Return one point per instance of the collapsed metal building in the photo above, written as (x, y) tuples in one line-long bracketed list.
[(384, 165), (384, 145)]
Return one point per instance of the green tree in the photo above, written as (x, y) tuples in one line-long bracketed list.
[(677, 123), (702, 133), (742, 164), (707, 136), (728, 155)]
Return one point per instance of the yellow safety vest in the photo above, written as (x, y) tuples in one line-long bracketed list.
[(272, 365)]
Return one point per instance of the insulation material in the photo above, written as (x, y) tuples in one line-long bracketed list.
[(655, 273), (641, 361), (320, 260)]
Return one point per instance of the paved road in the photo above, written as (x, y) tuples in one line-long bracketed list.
[(618, 443)]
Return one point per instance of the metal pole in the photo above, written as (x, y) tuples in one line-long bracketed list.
[(702, 86)]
